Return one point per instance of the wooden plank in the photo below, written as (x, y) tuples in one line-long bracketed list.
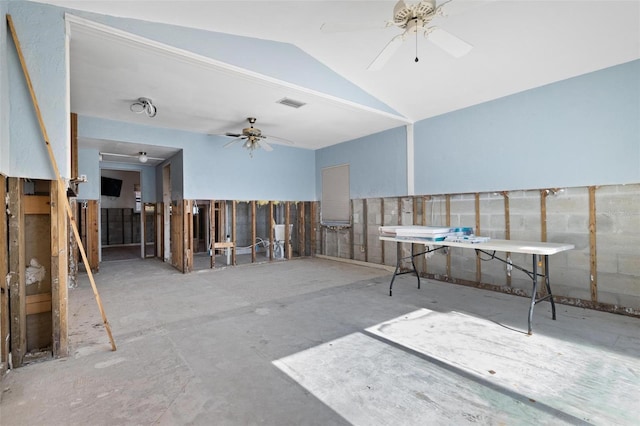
[(287, 233), (302, 242), (253, 231), (365, 229), (507, 229), (593, 258), (314, 226), (74, 145), (38, 303), (478, 232), (212, 234), (93, 235), (351, 235), (4, 269), (17, 266), (36, 204), (187, 233), (271, 222), (448, 218), (425, 198), (59, 295), (224, 245), (176, 236), (233, 231)]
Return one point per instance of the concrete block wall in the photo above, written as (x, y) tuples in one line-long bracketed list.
[(554, 215)]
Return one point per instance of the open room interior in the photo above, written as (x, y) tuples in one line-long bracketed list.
[(314, 212)]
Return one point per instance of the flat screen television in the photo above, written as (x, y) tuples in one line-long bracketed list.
[(110, 187)]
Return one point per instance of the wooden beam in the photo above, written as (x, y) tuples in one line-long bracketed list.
[(270, 225), (253, 231), (212, 234), (365, 229), (287, 233), (477, 232), (593, 259), (74, 145), (314, 226), (187, 234), (93, 235), (302, 224), (38, 303), (59, 297), (507, 229), (59, 179), (382, 243), (233, 232), (17, 267), (36, 204), (448, 218), (4, 269), (351, 234)]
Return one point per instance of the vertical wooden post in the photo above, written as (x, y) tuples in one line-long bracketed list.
[(59, 307), (351, 233), (212, 234), (543, 233), (415, 220), (233, 231), (74, 145), (399, 246), (17, 265), (287, 233), (425, 198), (93, 235), (382, 243), (253, 231), (302, 242), (507, 228), (271, 222), (477, 232), (593, 259), (4, 264), (187, 234), (365, 229), (314, 226), (448, 207)]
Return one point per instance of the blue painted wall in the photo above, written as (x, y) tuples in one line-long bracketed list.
[(213, 172), (377, 164), (41, 33), (577, 132)]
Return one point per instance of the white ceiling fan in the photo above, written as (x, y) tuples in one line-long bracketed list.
[(253, 138), (413, 19)]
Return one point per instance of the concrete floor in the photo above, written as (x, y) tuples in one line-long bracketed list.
[(319, 342)]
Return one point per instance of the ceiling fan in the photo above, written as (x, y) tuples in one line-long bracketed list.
[(253, 138), (414, 19)]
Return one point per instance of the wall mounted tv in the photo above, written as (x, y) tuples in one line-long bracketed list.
[(110, 187)]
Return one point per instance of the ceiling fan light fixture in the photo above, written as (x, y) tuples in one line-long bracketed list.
[(142, 157), (144, 105)]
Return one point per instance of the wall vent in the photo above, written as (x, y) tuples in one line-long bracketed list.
[(291, 102)]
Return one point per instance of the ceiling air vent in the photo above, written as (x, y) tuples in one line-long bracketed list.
[(291, 102)]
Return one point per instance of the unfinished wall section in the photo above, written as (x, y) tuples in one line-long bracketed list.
[(603, 223)]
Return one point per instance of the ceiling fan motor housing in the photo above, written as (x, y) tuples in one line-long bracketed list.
[(404, 15)]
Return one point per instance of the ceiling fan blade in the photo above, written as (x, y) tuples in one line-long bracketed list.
[(265, 145), (386, 53), (278, 139), (233, 135), (228, 144), (449, 43)]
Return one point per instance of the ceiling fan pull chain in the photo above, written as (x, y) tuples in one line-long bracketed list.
[(416, 45)]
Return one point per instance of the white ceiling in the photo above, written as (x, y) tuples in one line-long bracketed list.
[(517, 45)]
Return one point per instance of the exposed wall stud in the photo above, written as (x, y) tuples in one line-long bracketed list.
[(593, 259), (382, 243), (477, 232), (212, 234), (314, 226), (507, 229), (4, 289), (59, 298), (270, 226), (448, 218), (365, 229), (253, 231), (287, 233), (302, 242), (233, 232), (17, 266)]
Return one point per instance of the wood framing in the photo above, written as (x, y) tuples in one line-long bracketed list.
[(187, 236), (233, 232), (74, 145), (287, 233), (253, 231), (177, 248), (448, 218), (17, 266), (477, 232), (93, 235), (212, 234), (4, 269), (365, 229), (593, 259), (270, 226), (542, 289), (58, 296), (507, 229), (314, 226), (302, 242), (382, 243), (351, 235)]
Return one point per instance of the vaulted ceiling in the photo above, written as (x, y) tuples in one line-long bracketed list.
[(517, 45)]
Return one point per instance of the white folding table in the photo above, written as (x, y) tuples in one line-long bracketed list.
[(536, 249)]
